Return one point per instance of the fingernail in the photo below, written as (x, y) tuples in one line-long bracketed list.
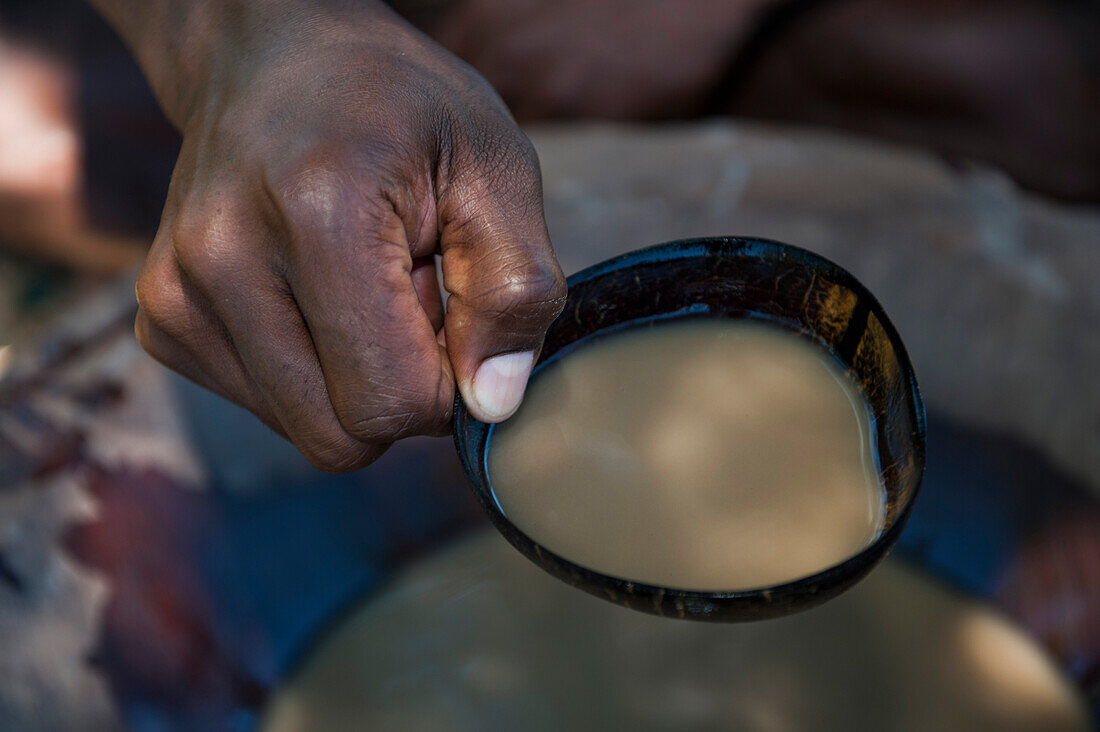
[(499, 384)]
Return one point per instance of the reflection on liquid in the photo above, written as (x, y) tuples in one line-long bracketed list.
[(479, 638)]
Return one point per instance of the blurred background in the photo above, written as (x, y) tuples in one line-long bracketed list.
[(165, 562)]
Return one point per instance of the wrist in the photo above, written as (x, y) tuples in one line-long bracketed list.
[(189, 49), (173, 41)]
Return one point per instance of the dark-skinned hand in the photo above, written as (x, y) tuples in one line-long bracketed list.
[(330, 152)]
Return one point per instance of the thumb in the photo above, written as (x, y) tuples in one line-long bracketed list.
[(505, 284)]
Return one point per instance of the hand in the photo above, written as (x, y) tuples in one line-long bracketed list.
[(328, 155)]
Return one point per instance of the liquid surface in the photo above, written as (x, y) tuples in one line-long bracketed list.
[(479, 639), (708, 455)]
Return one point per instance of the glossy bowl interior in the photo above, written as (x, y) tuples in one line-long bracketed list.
[(733, 278)]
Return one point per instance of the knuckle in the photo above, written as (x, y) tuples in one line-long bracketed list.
[(534, 291), (206, 239), (154, 341), (323, 184), (143, 331), (147, 290), (312, 191), (389, 277), (160, 300), (325, 205)]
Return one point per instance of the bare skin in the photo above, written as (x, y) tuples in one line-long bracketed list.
[(330, 151), (1014, 83), (619, 59)]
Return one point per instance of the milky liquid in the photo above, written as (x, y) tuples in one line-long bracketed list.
[(478, 638), (707, 455)]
